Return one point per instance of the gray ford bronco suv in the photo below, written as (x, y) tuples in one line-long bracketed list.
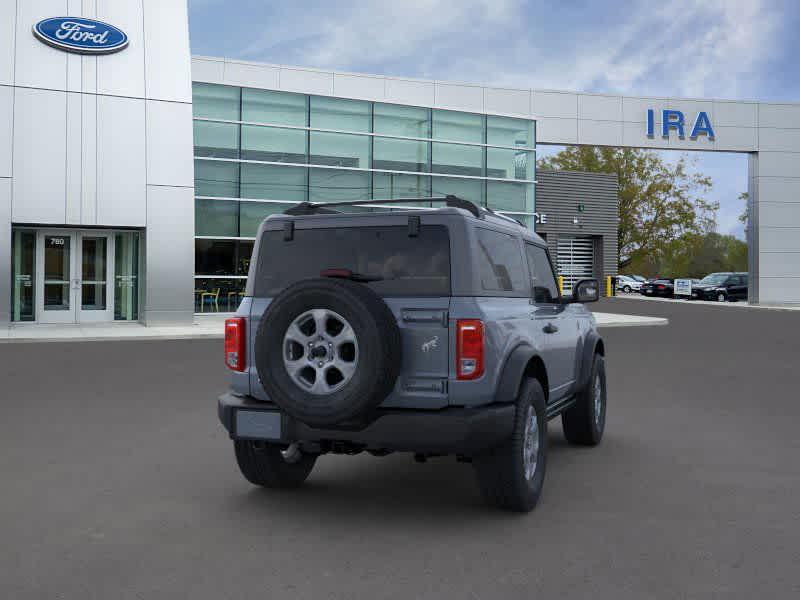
[(436, 332)]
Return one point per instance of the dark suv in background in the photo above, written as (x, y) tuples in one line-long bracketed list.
[(722, 287)]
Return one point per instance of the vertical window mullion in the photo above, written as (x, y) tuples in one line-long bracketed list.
[(239, 175), (308, 148), (371, 191)]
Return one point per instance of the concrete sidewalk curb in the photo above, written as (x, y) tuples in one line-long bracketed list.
[(206, 328), (740, 305), (614, 320)]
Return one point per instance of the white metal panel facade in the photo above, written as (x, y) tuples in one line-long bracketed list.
[(73, 129), (40, 156)]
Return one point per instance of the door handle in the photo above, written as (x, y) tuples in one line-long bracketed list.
[(549, 328)]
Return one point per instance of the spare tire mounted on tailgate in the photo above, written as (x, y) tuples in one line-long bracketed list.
[(328, 351)]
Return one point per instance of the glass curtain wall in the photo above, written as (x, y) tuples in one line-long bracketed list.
[(257, 152)]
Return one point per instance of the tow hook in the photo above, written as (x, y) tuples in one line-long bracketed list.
[(292, 454)]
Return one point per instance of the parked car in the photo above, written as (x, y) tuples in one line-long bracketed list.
[(628, 284), (398, 332), (663, 288), (722, 287)]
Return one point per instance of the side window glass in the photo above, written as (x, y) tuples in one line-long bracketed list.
[(545, 288), (500, 263)]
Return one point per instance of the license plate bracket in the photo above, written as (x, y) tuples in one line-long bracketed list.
[(258, 425)]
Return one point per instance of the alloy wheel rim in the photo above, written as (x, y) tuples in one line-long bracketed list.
[(320, 351), (530, 453)]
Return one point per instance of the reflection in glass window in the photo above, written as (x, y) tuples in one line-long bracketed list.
[(273, 182), (23, 261), (467, 189), (339, 150), (215, 101), (457, 126), (400, 155), (273, 144), (501, 195), (387, 186), (251, 214), (509, 164), (214, 178), (280, 108), (407, 121), (336, 113), (545, 289), (457, 159), (499, 263), (331, 185), (401, 265), (216, 217), (506, 131), (219, 140), (214, 257)]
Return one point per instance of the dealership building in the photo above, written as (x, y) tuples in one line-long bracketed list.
[(133, 176)]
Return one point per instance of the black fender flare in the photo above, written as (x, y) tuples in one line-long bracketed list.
[(510, 379), (592, 344)]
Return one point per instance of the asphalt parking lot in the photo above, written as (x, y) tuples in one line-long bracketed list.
[(118, 482)]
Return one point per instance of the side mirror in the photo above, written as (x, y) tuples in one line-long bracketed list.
[(586, 290)]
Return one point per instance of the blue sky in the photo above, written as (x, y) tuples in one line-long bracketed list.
[(740, 49)]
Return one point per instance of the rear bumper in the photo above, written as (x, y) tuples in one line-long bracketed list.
[(465, 431)]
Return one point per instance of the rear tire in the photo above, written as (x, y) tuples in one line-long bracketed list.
[(627, 289), (263, 464), (585, 421), (507, 480)]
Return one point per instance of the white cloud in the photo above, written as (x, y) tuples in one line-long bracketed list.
[(687, 47)]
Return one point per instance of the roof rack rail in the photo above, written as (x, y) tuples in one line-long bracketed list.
[(311, 208), (504, 217)]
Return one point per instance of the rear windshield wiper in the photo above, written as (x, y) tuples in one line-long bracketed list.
[(348, 274)]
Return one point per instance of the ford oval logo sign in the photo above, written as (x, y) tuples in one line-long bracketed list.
[(84, 36)]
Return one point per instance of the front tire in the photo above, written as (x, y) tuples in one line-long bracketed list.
[(721, 297), (263, 464), (627, 289), (511, 476), (585, 421)]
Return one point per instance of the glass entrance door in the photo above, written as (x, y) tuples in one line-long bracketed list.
[(74, 272), (55, 273), (94, 300)]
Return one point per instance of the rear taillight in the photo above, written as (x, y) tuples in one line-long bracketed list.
[(469, 348), (235, 343), (661, 287)]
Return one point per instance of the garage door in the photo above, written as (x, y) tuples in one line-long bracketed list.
[(575, 260)]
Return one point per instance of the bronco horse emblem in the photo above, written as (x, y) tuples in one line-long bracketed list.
[(431, 344)]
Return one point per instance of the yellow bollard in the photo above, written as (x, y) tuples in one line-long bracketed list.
[(608, 286), (561, 284)]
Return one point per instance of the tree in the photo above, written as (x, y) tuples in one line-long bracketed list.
[(659, 202), (695, 255), (745, 216)]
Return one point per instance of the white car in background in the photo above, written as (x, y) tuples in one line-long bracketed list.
[(628, 284)]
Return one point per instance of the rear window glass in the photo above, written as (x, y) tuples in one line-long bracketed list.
[(402, 265)]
